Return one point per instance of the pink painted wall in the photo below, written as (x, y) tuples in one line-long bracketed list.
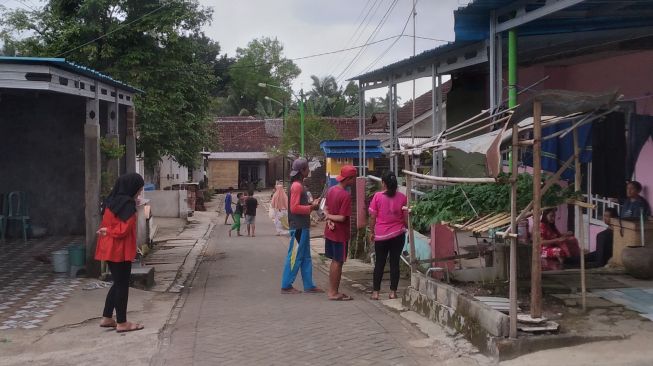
[(630, 74), (644, 170)]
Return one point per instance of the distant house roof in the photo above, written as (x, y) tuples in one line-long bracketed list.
[(423, 104), (71, 67), (251, 134)]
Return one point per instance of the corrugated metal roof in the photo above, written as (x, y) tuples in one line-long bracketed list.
[(72, 67), (424, 56), (370, 152), (471, 22), (348, 143)]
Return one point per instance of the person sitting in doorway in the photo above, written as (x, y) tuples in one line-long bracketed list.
[(635, 205), (603, 253), (554, 244)]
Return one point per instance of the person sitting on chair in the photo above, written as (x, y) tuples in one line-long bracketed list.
[(554, 244)]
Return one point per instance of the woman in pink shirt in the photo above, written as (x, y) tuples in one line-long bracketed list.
[(388, 221)]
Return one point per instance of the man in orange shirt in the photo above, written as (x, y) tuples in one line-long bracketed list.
[(299, 250)]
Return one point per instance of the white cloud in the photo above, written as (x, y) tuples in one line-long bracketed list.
[(307, 27)]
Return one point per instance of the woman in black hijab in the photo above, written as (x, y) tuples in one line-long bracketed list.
[(117, 246)]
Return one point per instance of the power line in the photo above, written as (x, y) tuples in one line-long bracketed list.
[(313, 55), (403, 31), (372, 35), (351, 39), (122, 26)]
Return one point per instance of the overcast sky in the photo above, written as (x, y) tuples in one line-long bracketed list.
[(307, 27)]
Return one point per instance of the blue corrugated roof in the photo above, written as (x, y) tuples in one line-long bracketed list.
[(471, 23), (372, 152), (72, 67), (349, 148)]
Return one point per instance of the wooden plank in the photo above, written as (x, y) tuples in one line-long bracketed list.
[(536, 269), (223, 174)]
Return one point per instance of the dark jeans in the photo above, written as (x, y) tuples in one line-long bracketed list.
[(119, 292), (382, 248)]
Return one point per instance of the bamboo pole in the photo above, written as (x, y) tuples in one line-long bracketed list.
[(449, 179), (512, 282), (536, 268), (460, 137), (411, 233), (579, 219)]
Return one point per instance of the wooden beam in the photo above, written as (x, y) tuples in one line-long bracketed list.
[(512, 279), (579, 220), (411, 233), (450, 179), (536, 269)]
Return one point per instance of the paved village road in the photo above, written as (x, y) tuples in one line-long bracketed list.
[(234, 314)]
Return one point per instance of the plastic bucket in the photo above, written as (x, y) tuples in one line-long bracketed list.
[(76, 255), (60, 261)]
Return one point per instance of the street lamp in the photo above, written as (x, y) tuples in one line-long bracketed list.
[(301, 112), (285, 116)]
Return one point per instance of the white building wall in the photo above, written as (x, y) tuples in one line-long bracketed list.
[(172, 173)]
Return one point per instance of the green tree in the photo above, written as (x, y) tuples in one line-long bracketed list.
[(156, 46), (262, 61), (316, 130)]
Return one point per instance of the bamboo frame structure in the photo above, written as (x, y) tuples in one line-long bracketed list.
[(536, 265)]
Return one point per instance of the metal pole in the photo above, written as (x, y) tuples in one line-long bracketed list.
[(361, 109), (364, 161), (301, 122), (434, 117), (283, 129), (493, 56), (499, 68), (441, 125), (412, 129), (395, 140), (536, 269), (389, 99)]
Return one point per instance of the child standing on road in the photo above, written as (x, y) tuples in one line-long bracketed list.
[(227, 206), (237, 214), (250, 217)]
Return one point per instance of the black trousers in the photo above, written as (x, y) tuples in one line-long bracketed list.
[(382, 248), (119, 292)]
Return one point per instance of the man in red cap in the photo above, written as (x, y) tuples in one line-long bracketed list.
[(337, 230)]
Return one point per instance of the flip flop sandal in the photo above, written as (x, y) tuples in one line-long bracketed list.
[(108, 325), (342, 298), (135, 327)]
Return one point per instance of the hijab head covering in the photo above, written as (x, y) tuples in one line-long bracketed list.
[(279, 198), (121, 199)]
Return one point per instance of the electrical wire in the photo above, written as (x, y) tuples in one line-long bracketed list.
[(370, 38), (351, 39)]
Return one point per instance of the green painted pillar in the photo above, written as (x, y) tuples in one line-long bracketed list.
[(301, 124), (512, 68)]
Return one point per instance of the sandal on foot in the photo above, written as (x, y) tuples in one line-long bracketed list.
[(341, 297), (290, 291), (314, 290), (392, 296), (132, 328), (109, 325)]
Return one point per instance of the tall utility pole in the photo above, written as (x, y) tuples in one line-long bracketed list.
[(301, 122), (412, 130)]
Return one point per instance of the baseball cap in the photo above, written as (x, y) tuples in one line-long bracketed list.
[(298, 165), (346, 171)]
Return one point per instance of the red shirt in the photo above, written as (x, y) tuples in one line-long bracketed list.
[(338, 202), (119, 245)]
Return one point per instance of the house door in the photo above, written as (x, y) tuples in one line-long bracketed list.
[(249, 172)]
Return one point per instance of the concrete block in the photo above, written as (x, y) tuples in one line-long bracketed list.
[(142, 277)]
